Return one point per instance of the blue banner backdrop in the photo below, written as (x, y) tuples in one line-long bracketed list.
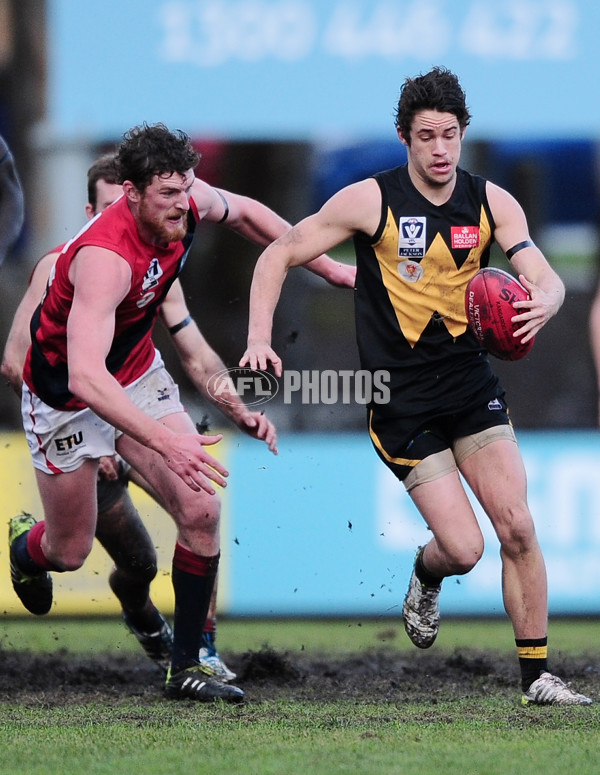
[(326, 529), (314, 69)]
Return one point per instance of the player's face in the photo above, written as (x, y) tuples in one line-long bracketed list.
[(435, 145), (106, 194), (163, 206)]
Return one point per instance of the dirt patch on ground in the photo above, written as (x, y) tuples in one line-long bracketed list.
[(62, 677)]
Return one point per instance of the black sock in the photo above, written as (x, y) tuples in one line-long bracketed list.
[(533, 659), (23, 558), (193, 582), (424, 576)]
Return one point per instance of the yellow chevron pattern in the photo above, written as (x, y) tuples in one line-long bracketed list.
[(441, 287)]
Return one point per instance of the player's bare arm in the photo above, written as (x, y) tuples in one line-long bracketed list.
[(204, 367), (261, 225), (90, 330), (335, 272), (545, 287), (202, 364), (353, 209), (19, 338)]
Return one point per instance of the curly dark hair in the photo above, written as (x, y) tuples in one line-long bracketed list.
[(150, 150), (104, 168), (439, 89)]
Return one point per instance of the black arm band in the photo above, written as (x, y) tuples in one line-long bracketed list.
[(226, 205), (527, 243), (178, 326)]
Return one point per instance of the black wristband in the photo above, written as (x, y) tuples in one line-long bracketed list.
[(527, 243), (178, 326), (226, 206)]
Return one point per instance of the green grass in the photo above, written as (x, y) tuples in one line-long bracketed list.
[(338, 636), (327, 740), (284, 737)]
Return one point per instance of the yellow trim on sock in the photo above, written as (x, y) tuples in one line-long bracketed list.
[(532, 652)]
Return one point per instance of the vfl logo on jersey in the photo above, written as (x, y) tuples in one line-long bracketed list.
[(464, 237), (411, 237), (153, 275), (151, 280), (410, 271)]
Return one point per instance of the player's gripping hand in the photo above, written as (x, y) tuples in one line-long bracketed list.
[(259, 355), (534, 313), (185, 455)]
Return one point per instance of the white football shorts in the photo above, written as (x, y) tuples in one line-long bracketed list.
[(59, 441)]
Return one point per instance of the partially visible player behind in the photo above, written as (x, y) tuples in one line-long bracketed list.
[(12, 202), (120, 529)]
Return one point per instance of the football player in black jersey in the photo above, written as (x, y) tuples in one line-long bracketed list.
[(420, 232)]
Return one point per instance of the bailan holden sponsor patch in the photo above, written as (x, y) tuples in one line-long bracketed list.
[(464, 237)]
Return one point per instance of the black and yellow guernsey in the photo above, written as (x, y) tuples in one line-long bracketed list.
[(410, 296)]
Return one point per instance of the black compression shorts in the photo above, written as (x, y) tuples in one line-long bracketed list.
[(403, 442)]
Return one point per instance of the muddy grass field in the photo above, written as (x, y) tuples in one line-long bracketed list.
[(61, 678)]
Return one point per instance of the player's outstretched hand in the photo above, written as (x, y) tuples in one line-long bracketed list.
[(185, 455), (258, 425), (259, 355)]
